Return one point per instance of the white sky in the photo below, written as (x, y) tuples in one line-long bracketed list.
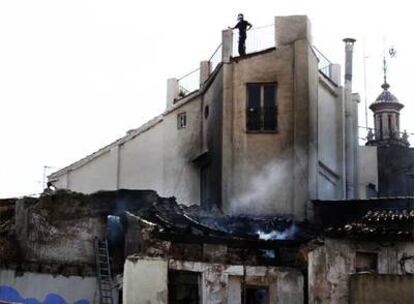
[(76, 75)]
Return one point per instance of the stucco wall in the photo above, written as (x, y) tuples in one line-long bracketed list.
[(271, 172), (258, 166), (158, 158), (46, 288), (367, 169), (179, 175), (332, 264), (381, 289), (141, 161), (330, 141), (104, 177), (145, 281)]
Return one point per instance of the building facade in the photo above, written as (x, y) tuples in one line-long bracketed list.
[(263, 134)]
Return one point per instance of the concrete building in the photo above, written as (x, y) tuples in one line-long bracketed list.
[(279, 204), (264, 134)]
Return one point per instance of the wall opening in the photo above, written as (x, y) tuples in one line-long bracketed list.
[(255, 295), (184, 287), (366, 262)]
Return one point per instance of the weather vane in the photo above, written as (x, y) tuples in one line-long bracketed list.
[(392, 52)]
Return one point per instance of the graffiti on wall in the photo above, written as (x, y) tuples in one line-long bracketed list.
[(9, 294)]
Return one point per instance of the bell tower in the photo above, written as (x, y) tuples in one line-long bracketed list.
[(386, 110)]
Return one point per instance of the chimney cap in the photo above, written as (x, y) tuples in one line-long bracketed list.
[(349, 40)]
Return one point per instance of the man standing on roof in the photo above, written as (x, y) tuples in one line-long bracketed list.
[(243, 26)]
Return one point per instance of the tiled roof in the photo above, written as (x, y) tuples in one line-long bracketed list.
[(389, 215), (375, 219)]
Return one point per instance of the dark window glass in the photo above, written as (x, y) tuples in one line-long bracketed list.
[(261, 111), (269, 107), (183, 287), (253, 107)]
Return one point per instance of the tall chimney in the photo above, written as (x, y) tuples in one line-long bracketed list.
[(351, 129)]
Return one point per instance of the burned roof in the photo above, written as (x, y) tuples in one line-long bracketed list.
[(190, 224), (382, 218)]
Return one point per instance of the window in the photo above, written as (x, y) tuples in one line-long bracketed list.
[(256, 295), (183, 287), (261, 112), (206, 111), (366, 262), (181, 120)]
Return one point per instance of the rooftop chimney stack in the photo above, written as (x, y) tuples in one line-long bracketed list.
[(173, 91), (351, 125)]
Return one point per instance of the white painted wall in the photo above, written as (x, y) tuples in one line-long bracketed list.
[(159, 158), (104, 177), (141, 161), (145, 281), (39, 286), (330, 136), (367, 169)]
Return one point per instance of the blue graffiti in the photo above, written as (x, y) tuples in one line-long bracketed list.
[(9, 294)]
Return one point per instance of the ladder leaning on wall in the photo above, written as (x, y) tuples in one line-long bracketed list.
[(103, 271)]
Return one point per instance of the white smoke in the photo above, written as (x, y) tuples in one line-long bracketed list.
[(264, 190), (286, 234)]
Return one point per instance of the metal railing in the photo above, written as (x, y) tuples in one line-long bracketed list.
[(216, 58), (324, 64), (189, 82), (258, 39)]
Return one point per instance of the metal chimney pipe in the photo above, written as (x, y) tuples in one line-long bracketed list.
[(351, 137)]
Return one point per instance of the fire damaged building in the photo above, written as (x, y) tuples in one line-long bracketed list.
[(262, 134), (259, 194)]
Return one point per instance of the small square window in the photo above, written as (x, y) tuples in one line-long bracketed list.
[(366, 262), (181, 120)]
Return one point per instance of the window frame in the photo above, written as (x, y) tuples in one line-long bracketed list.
[(365, 254), (179, 125), (262, 130)]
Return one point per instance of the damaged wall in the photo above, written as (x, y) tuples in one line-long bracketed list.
[(396, 289), (46, 288), (48, 234), (332, 264), (146, 281)]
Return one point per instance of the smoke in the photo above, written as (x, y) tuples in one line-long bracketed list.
[(269, 253), (287, 234), (263, 189)]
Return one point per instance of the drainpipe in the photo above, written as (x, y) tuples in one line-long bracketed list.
[(351, 138)]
